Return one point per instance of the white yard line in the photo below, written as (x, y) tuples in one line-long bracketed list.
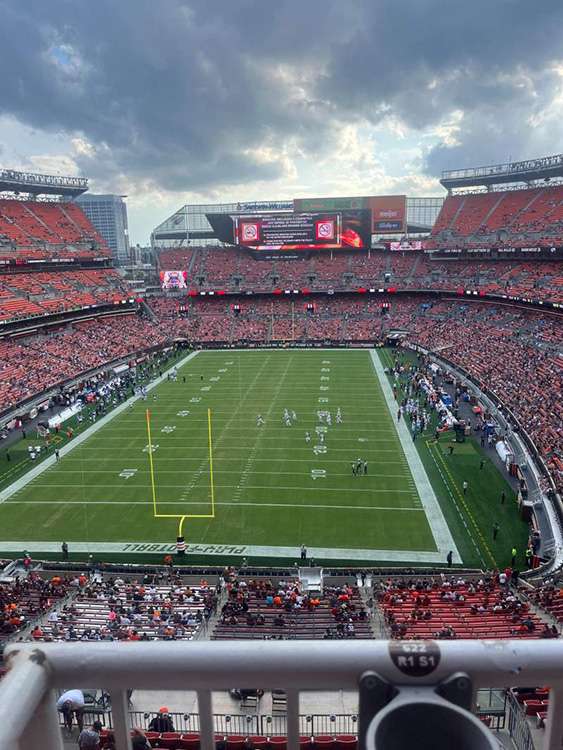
[(370, 490), (119, 459), (440, 529), (88, 432), (224, 471)]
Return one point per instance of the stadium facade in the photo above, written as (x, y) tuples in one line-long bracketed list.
[(189, 225)]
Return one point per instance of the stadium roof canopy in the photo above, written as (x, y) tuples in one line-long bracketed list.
[(529, 171), (41, 184)]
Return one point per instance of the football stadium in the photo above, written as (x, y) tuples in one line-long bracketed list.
[(331, 417)]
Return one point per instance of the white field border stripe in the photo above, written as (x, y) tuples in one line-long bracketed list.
[(220, 550), (440, 529), (88, 432), (136, 503)]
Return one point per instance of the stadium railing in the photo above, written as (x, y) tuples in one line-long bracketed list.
[(272, 725), (410, 693)]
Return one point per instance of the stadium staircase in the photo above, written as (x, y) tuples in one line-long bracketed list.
[(149, 312), (527, 207), (455, 217), (376, 617), (491, 211), (70, 219), (412, 273), (38, 219)]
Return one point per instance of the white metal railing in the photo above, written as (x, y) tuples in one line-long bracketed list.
[(28, 716)]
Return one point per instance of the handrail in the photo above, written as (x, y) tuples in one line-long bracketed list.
[(27, 702)]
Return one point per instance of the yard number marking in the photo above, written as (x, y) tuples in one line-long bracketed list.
[(128, 473), (318, 474)]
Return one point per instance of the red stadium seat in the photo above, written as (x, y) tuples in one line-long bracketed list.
[(189, 741), (346, 742), (169, 740), (325, 743), (236, 742)]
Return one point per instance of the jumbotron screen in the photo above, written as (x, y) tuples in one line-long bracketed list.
[(174, 279), (282, 232)]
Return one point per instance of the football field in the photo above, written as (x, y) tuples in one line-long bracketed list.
[(242, 486)]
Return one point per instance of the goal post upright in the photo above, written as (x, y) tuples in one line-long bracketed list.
[(151, 463), (211, 480)]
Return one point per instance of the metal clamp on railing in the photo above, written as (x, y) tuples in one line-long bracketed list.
[(393, 718)]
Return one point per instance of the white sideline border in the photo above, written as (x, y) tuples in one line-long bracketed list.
[(220, 550), (79, 439), (440, 529)]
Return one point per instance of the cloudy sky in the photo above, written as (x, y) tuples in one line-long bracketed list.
[(174, 101)]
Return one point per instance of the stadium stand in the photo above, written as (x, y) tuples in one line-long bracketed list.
[(234, 270), (38, 230), (263, 609), (518, 218), (23, 295), (35, 364), (549, 596), (458, 609), (24, 600), (115, 609)]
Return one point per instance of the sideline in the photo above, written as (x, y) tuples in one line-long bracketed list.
[(88, 432), (440, 529), (219, 550)]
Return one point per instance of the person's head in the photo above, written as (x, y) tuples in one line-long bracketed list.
[(163, 711), (97, 726)]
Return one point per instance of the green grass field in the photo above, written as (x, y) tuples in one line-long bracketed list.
[(272, 489)]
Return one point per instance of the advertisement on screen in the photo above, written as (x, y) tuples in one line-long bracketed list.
[(174, 279), (405, 246), (285, 232), (388, 212)]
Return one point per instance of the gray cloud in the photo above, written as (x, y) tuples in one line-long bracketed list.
[(192, 95)]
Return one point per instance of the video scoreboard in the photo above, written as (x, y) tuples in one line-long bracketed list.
[(287, 232)]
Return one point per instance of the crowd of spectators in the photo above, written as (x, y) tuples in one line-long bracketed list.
[(452, 608), (266, 609), (159, 607), (236, 270), (33, 294), (549, 596), (26, 599), (34, 364)]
